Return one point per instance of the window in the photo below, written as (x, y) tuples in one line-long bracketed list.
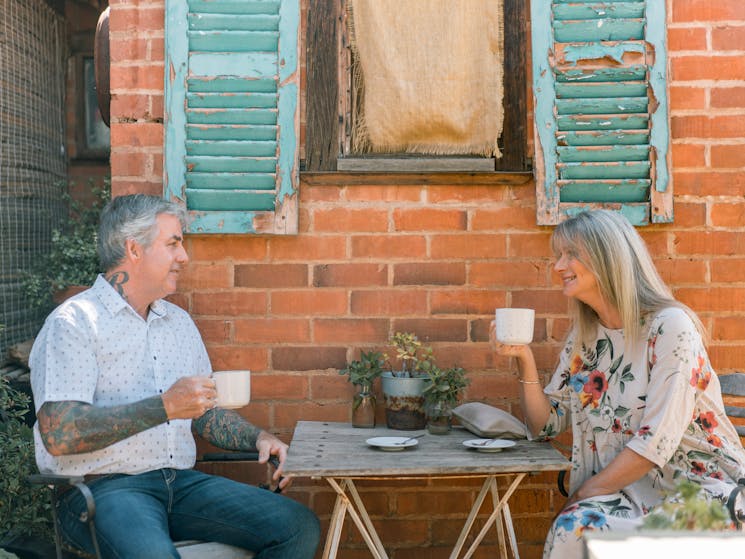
[(232, 122), (602, 133), (330, 98)]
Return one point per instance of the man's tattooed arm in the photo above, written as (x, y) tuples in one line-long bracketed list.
[(227, 429), (76, 427)]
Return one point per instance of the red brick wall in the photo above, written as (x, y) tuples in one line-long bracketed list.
[(437, 259)]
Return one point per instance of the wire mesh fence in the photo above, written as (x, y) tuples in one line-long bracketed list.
[(32, 153)]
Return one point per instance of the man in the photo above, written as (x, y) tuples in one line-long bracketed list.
[(120, 377)]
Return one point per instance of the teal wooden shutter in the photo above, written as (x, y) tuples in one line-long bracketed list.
[(232, 122), (601, 112)]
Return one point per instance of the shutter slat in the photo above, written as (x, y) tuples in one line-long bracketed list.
[(233, 22), (610, 170), (232, 101), (602, 106), (231, 181), (598, 10), (636, 213), (234, 6), (626, 190), (231, 148), (603, 138), (207, 164), (239, 132), (231, 85), (634, 72), (601, 90), (231, 116), (602, 122), (233, 41), (228, 200), (248, 64), (598, 154), (598, 30)]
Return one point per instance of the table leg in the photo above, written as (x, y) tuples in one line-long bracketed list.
[(501, 510), (471, 518), (359, 515)]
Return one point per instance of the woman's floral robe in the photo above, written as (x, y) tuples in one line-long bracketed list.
[(662, 400)]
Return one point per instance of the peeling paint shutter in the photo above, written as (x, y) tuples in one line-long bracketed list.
[(601, 116), (232, 119)]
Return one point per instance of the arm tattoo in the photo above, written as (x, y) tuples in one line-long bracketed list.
[(227, 429), (117, 281), (76, 427)]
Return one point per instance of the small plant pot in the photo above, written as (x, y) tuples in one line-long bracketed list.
[(439, 419), (404, 403), (363, 408)]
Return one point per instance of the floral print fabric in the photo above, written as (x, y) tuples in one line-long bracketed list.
[(658, 397)]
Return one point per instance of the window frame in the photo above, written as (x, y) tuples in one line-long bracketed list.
[(328, 89)]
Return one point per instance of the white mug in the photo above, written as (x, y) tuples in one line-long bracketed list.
[(233, 388), (514, 326)]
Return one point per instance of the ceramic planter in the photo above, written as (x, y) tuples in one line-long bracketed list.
[(404, 403)]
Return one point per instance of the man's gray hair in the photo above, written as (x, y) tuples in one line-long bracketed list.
[(131, 217)]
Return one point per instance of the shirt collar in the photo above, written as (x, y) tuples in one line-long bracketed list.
[(115, 303)]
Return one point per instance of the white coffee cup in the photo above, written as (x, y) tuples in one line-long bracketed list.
[(514, 326), (233, 388)]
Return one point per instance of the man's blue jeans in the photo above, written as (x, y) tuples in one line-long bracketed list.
[(140, 516)]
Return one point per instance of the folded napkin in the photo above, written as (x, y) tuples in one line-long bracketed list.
[(487, 421)]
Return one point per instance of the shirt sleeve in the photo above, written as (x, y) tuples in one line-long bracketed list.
[(676, 361), (558, 394), (63, 363)]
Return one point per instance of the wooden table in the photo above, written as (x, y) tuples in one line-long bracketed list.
[(338, 453)]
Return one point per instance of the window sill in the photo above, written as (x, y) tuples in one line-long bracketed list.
[(335, 178)]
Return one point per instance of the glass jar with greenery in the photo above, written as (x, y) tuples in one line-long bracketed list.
[(441, 395), (362, 373)]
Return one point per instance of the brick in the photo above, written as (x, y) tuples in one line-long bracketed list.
[(429, 273), (212, 276), (728, 97), (271, 330), (382, 193), (136, 19), (229, 303), (713, 299), (728, 38), (271, 275), (682, 270), (471, 357), (727, 357), (215, 331), (279, 386), (329, 330), (133, 107), (728, 156), (503, 219), (138, 135), (287, 415), (688, 243), (434, 329), (468, 246), (144, 76), (690, 214), (728, 215), (709, 183), (727, 270), (434, 502), (688, 155), (388, 302), (465, 194), (307, 248), (417, 219), (543, 301), (309, 302), (350, 275), (228, 357), (227, 247), (389, 246), (340, 220), (465, 301), (702, 10), (300, 358), (728, 328), (331, 386), (125, 164), (509, 273), (315, 193), (129, 48), (686, 38), (702, 126), (530, 244)]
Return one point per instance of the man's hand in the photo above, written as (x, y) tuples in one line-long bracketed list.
[(190, 397), (268, 445)]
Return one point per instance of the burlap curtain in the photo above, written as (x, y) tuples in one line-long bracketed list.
[(429, 76)]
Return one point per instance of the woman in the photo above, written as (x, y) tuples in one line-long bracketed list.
[(634, 382)]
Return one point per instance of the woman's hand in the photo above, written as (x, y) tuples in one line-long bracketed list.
[(521, 352)]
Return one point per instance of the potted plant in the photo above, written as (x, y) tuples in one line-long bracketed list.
[(403, 387), (71, 264), (441, 395), (362, 373)]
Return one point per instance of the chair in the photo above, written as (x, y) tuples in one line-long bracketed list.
[(189, 549)]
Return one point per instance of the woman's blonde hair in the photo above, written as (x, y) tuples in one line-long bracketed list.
[(609, 246)]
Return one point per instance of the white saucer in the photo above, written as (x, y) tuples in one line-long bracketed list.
[(392, 443), (489, 445)]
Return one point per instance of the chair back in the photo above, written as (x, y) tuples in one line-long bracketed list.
[(733, 394)]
